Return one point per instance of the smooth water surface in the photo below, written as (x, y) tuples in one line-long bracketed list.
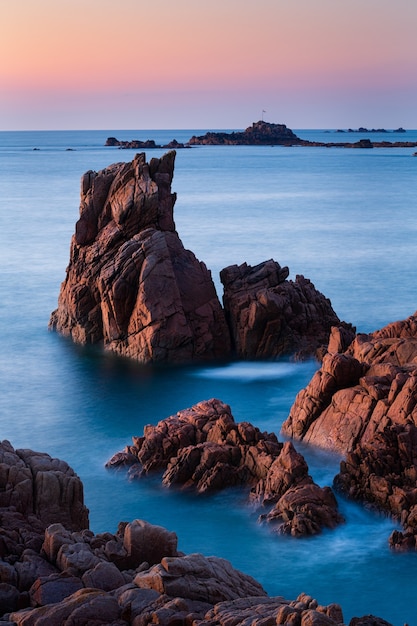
[(344, 218)]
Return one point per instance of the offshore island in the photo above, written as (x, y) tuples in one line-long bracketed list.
[(263, 133)]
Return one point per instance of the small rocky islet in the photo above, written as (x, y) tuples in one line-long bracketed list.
[(264, 133), (124, 254)]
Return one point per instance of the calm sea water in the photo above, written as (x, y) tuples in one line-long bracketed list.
[(346, 219)]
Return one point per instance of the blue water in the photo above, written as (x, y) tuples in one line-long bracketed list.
[(346, 219)]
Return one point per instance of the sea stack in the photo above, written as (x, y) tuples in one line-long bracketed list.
[(130, 283)]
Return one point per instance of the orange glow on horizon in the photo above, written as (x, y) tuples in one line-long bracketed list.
[(139, 49)]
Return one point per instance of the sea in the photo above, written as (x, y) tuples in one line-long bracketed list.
[(344, 218)]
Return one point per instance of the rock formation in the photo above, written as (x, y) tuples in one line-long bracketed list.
[(130, 283), (271, 316), (65, 574), (260, 133), (266, 134), (137, 144), (133, 288), (205, 449), (363, 404)]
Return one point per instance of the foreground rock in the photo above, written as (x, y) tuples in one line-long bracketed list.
[(55, 575), (203, 448), (271, 316), (363, 404), (130, 283)]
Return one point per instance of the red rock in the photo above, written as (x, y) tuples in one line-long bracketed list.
[(130, 283), (270, 316)]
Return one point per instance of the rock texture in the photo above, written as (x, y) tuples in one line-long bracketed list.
[(363, 404), (130, 283), (203, 448), (133, 288), (32, 484), (271, 316), (59, 575)]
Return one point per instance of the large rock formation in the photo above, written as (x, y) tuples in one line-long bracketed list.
[(267, 134), (56, 575), (130, 283), (205, 449), (270, 316), (132, 287), (363, 404)]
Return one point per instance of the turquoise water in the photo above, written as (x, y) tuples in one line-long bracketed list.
[(343, 218)]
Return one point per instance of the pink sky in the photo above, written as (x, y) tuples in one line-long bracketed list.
[(218, 64)]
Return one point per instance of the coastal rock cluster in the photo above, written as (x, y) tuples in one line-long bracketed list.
[(62, 573), (204, 449), (263, 133), (362, 402), (133, 287), (148, 144)]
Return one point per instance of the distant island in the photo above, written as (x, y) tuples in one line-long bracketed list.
[(264, 134)]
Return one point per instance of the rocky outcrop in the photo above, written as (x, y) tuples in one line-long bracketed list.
[(57, 575), (32, 484), (137, 144), (271, 316), (132, 287), (259, 134), (362, 403), (203, 448), (266, 134), (130, 283)]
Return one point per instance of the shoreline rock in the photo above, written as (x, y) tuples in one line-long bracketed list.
[(134, 577), (362, 402)]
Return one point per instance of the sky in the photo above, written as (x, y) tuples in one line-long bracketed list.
[(215, 64)]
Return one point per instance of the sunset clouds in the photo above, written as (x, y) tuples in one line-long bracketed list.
[(189, 64)]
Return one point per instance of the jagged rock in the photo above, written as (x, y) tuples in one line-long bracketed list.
[(125, 254), (363, 404), (52, 583), (305, 510), (33, 483), (205, 449), (270, 316)]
